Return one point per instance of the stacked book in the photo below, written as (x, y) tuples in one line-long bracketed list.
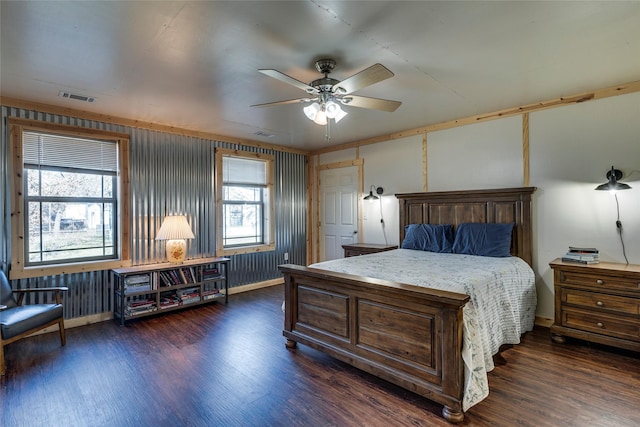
[(140, 306), (189, 295), (211, 294), (582, 255), (137, 283), (210, 273)]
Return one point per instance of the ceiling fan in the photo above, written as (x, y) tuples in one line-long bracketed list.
[(327, 94)]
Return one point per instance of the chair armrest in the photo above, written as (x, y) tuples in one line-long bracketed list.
[(57, 289)]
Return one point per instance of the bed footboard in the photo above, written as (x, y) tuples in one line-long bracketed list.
[(408, 335)]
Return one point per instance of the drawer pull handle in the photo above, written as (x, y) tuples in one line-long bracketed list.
[(600, 304), (600, 325), (599, 282)]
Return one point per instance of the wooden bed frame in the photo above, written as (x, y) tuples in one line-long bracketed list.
[(408, 335)]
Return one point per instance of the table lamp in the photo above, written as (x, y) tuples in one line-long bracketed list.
[(175, 229)]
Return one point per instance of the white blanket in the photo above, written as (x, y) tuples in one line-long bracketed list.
[(502, 302)]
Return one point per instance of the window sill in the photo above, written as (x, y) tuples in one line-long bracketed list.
[(245, 250), (53, 270)]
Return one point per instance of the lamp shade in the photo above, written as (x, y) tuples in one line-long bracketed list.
[(311, 110), (613, 185), (332, 109), (175, 229), (340, 115), (371, 197), (321, 118)]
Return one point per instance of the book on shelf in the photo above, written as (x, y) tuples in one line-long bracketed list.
[(170, 301), (135, 312), (140, 306), (181, 275), (188, 291), (190, 299), (137, 279), (138, 287), (210, 273), (175, 278), (211, 294)]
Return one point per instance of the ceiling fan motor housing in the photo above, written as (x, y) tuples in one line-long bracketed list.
[(325, 66)]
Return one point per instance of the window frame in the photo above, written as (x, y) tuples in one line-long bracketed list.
[(267, 210), (18, 268)]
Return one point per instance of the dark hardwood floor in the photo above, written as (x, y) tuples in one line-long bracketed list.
[(223, 365)]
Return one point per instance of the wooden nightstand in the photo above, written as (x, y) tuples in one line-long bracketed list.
[(597, 302), (356, 249)]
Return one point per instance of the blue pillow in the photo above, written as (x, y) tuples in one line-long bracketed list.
[(483, 239), (428, 237)]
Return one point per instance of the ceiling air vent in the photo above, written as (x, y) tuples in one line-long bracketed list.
[(263, 134), (76, 96)]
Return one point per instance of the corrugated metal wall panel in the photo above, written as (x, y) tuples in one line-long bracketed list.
[(171, 174)]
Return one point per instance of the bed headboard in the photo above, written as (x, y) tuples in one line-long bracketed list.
[(489, 206)]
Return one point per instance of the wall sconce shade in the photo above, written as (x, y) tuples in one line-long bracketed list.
[(371, 197), (175, 229), (612, 184)]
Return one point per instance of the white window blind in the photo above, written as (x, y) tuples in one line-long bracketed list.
[(40, 149), (244, 171)]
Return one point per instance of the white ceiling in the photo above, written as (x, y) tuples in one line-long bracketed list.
[(194, 65)]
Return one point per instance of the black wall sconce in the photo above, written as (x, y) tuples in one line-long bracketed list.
[(371, 197), (613, 186)]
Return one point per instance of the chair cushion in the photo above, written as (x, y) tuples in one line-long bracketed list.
[(17, 320), (6, 294)]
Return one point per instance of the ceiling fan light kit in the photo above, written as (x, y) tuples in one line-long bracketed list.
[(330, 93)]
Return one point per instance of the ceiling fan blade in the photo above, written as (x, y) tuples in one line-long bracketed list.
[(374, 74), (288, 101), (373, 103), (289, 80)]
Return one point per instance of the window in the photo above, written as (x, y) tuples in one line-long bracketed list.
[(70, 192), (69, 198), (244, 183)]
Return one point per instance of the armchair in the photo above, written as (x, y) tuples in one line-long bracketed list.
[(18, 321)]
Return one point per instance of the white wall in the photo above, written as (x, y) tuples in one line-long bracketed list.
[(571, 149), (396, 166), (475, 157)]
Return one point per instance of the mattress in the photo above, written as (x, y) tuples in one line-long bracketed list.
[(501, 308)]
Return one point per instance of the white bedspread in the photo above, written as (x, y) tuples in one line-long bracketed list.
[(502, 302)]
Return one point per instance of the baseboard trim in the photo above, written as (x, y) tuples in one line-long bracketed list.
[(254, 286), (78, 321)]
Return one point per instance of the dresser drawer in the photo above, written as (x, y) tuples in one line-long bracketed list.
[(598, 280), (620, 327), (598, 301)]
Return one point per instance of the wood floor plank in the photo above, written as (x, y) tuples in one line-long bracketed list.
[(220, 365)]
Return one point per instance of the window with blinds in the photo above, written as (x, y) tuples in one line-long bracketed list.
[(243, 197), (246, 201), (70, 198)]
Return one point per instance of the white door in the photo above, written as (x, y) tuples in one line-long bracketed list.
[(339, 210)]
